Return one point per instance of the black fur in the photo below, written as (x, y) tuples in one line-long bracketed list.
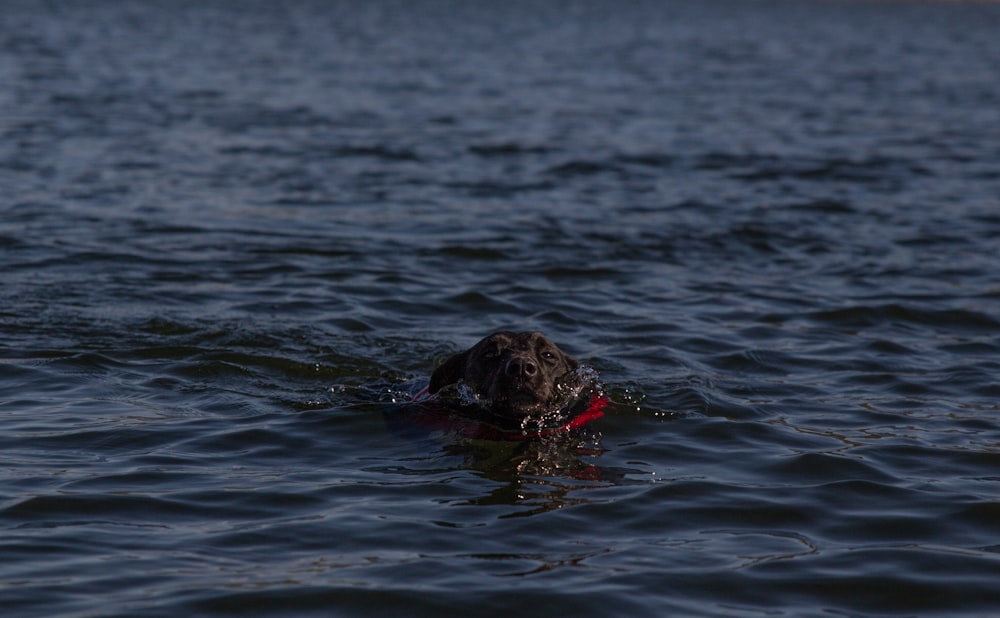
[(514, 373)]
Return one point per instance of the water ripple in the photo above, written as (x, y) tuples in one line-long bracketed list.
[(235, 242)]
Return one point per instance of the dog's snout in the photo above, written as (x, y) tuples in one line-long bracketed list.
[(521, 368)]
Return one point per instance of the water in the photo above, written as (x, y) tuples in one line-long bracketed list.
[(236, 237)]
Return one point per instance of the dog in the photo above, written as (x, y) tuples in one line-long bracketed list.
[(512, 373)]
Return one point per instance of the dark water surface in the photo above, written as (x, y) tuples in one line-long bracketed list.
[(235, 236)]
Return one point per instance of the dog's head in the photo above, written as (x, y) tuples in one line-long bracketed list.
[(515, 373)]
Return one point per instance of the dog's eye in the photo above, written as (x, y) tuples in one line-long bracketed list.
[(491, 354), (547, 355)]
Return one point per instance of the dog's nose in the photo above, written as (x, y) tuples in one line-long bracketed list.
[(521, 368)]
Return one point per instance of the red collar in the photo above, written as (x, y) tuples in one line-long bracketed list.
[(440, 417)]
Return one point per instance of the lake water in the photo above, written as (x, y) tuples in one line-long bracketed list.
[(236, 237)]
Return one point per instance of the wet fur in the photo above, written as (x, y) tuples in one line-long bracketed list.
[(512, 372)]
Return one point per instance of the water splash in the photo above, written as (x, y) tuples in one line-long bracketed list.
[(578, 385), (580, 378), (467, 396), (581, 384)]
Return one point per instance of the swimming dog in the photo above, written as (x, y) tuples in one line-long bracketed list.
[(511, 373)]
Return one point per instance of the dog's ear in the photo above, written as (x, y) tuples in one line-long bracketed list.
[(450, 372)]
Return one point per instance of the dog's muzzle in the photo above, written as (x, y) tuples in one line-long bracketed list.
[(522, 368)]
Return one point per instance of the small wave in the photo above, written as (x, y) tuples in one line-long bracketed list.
[(508, 149), (582, 168), (895, 313), (824, 206)]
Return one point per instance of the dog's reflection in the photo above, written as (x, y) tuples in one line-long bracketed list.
[(541, 475), (538, 467)]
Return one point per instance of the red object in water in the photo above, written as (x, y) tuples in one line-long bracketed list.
[(435, 415)]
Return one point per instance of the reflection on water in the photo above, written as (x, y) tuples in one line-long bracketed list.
[(542, 473), (535, 476), (539, 472)]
